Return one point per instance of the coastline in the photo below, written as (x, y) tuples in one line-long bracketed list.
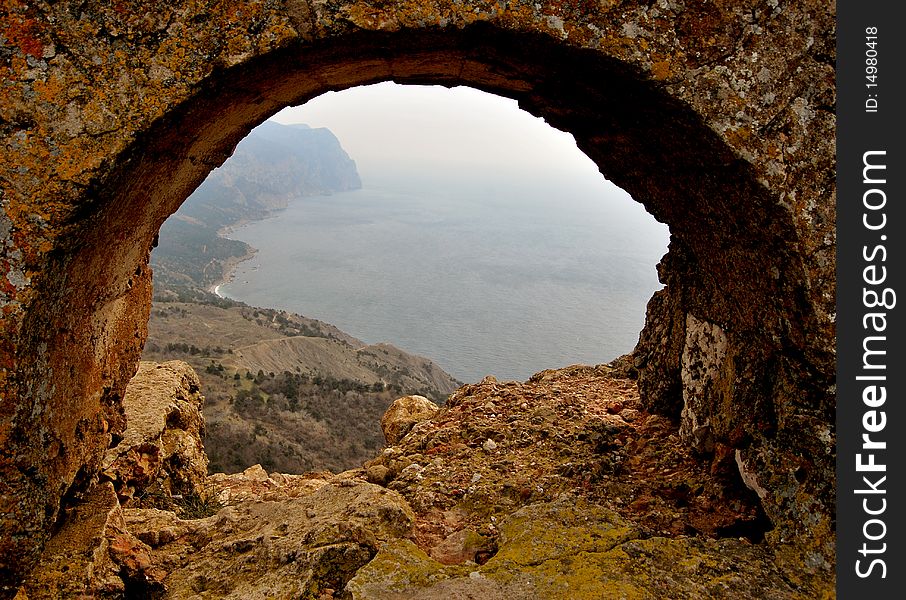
[(230, 264), (372, 308), (229, 271)]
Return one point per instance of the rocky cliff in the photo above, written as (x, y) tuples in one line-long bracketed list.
[(717, 117), (559, 487)]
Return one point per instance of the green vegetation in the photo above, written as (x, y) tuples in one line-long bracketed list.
[(197, 506), (290, 393), (186, 506), (290, 422)]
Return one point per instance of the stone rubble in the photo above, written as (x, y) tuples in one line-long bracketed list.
[(581, 495)]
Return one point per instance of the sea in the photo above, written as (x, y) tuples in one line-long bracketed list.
[(502, 274)]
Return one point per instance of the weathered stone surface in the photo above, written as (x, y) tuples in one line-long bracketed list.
[(568, 549), (463, 546), (403, 414), (161, 454), (583, 495), (719, 118), (703, 356), (92, 555), (582, 491), (255, 484), (298, 547)]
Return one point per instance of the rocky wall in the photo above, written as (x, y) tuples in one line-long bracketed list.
[(717, 116)]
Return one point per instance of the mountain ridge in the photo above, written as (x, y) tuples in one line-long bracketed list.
[(292, 393)]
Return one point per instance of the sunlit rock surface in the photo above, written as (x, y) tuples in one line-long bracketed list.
[(405, 413), (581, 494), (161, 453)]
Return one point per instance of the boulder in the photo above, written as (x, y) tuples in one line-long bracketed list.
[(302, 547), (160, 458), (403, 414)]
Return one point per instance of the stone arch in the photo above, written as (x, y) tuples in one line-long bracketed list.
[(117, 116)]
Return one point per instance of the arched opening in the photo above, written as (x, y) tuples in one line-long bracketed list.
[(737, 301), (476, 236)]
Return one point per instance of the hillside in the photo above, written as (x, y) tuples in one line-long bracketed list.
[(291, 393)]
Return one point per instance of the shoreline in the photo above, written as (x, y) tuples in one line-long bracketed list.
[(230, 264)]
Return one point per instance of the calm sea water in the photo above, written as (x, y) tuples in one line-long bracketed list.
[(496, 275)]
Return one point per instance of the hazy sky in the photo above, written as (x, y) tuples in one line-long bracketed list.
[(387, 125)]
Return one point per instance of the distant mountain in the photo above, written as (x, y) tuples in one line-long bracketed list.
[(271, 166)]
